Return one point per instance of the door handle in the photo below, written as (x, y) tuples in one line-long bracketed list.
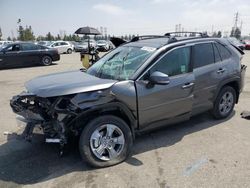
[(187, 85), (221, 70), (1, 59)]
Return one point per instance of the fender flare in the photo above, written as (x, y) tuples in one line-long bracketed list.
[(109, 107), (225, 82)]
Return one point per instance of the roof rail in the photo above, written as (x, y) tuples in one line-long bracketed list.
[(146, 37), (186, 34)]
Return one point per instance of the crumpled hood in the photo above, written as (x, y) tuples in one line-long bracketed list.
[(66, 83)]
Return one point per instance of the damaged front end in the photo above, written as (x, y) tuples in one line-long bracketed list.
[(51, 114), (57, 116)]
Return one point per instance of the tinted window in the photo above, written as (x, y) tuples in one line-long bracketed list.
[(56, 44), (216, 54), (203, 55), (63, 43), (27, 47), (224, 52), (174, 63), (13, 48)]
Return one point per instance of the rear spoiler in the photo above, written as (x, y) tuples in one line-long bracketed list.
[(238, 49)]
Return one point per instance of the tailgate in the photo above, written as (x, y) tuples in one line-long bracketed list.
[(243, 72)]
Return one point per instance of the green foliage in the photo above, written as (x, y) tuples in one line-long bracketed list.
[(217, 34), (236, 32), (1, 34), (25, 34)]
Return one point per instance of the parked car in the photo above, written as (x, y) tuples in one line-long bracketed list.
[(23, 54), (103, 45), (3, 43), (62, 47), (247, 44), (236, 42), (83, 45), (44, 43), (141, 85)]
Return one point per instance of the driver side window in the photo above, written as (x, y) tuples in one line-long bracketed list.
[(13, 48), (174, 62)]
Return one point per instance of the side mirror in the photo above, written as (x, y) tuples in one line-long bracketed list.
[(159, 78)]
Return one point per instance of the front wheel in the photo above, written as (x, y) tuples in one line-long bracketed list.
[(69, 51), (105, 141), (224, 103)]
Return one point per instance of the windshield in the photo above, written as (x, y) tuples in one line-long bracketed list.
[(121, 63)]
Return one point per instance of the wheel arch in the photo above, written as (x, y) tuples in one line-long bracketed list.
[(234, 83), (116, 108)]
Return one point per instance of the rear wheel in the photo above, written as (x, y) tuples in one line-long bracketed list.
[(46, 60), (69, 51), (224, 103), (105, 141)]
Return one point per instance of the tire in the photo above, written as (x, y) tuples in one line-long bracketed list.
[(224, 103), (69, 51), (94, 137), (46, 60)]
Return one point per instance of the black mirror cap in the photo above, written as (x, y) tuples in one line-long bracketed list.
[(159, 78)]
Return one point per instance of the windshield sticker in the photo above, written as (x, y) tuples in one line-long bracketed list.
[(149, 49)]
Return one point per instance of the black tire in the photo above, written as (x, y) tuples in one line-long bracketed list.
[(87, 153), (216, 112), (46, 60), (69, 51)]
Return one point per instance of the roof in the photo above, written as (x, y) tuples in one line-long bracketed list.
[(159, 41), (151, 42)]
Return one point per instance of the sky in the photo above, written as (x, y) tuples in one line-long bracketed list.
[(123, 17)]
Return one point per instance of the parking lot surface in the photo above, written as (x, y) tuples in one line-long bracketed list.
[(199, 153)]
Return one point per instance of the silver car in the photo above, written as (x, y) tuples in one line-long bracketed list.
[(62, 47)]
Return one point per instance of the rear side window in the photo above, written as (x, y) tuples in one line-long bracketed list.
[(174, 63), (27, 47), (224, 52), (64, 43), (216, 54), (203, 55)]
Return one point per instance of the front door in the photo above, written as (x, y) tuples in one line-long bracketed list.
[(160, 105), (11, 56)]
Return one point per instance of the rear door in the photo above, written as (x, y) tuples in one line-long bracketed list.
[(208, 73), (29, 53), (162, 104)]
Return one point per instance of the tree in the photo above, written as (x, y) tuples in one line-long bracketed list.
[(1, 34), (49, 37), (25, 34), (219, 34), (9, 38), (236, 32)]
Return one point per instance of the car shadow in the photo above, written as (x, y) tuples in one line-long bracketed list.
[(25, 66), (24, 163)]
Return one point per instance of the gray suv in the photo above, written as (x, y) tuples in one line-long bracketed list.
[(149, 82)]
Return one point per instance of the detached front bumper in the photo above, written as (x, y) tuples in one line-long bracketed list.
[(24, 105)]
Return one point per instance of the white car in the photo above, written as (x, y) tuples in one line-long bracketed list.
[(62, 47), (3, 43), (83, 45)]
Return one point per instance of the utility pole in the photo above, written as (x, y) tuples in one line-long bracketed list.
[(236, 19)]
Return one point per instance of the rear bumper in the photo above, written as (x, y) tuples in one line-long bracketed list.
[(243, 72)]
